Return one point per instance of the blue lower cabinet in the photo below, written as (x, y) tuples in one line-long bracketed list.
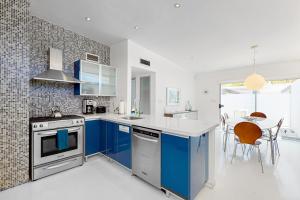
[(92, 129), (111, 145), (102, 136), (109, 138), (123, 155), (175, 164), (184, 164), (198, 164)]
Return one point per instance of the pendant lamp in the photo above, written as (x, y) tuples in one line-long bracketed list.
[(254, 81)]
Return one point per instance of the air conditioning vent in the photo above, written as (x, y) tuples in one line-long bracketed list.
[(145, 62), (92, 57)]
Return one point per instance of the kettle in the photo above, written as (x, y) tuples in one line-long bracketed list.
[(56, 112)]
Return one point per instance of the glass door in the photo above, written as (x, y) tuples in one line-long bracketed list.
[(236, 100), (90, 77), (108, 81)]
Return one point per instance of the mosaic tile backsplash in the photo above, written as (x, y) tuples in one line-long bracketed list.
[(44, 95), (24, 42), (14, 88)]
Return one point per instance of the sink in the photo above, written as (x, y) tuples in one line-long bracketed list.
[(131, 118)]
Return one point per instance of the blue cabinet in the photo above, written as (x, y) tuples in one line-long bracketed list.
[(92, 137), (184, 163), (111, 145), (175, 167), (109, 138), (102, 136), (95, 137), (198, 164), (124, 145)]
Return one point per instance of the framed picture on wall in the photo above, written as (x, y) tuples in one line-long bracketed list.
[(173, 96)]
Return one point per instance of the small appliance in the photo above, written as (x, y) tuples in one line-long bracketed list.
[(101, 109), (88, 106)]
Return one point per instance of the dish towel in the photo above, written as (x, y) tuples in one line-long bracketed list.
[(62, 139)]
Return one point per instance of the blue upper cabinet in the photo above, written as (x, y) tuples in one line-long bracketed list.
[(92, 130), (124, 145), (97, 79)]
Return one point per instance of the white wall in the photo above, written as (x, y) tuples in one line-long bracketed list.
[(207, 103), (167, 74), (295, 106), (119, 59)]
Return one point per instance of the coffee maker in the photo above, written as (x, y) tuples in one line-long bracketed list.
[(88, 106)]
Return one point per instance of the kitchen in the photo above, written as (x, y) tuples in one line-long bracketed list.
[(121, 99), (73, 98)]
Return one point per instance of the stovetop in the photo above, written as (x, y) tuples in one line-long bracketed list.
[(50, 119), (47, 123)]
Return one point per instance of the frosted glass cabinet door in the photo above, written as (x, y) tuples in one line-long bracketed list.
[(90, 76), (108, 81)]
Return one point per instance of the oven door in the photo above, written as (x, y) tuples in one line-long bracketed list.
[(45, 145)]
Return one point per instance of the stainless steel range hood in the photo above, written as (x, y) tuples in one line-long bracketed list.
[(55, 71)]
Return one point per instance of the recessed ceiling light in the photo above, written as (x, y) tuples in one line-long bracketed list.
[(136, 27), (87, 19), (177, 5)]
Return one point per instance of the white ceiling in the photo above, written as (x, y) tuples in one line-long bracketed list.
[(202, 35)]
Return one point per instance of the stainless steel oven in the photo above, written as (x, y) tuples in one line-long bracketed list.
[(46, 157), (45, 148)]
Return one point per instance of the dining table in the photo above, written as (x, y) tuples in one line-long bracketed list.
[(265, 124)]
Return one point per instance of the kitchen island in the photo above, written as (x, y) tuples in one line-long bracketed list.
[(187, 148)]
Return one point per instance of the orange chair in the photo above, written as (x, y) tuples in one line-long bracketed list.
[(258, 114), (247, 134)]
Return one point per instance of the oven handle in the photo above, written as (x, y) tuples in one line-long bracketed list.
[(146, 139), (48, 133), (58, 166)]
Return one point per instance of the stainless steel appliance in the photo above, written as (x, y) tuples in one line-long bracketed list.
[(146, 154), (88, 106), (55, 71), (45, 157), (101, 109)]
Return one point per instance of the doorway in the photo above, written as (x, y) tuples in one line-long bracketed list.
[(142, 91), (278, 99)]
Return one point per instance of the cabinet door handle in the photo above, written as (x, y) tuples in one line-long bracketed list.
[(146, 139)]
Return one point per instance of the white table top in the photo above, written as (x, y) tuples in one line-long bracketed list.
[(179, 127), (263, 123)]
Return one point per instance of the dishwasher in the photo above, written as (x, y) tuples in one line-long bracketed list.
[(146, 154)]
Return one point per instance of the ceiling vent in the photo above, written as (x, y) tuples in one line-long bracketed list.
[(145, 62), (92, 57)]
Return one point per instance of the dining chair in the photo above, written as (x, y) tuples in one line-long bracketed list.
[(226, 116), (258, 114), (226, 129), (223, 123), (274, 137), (248, 134)]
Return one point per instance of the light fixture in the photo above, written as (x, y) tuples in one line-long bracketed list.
[(254, 81), (87, 19), (177, 5)]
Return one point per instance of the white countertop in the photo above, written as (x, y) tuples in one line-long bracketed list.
[(179, 127)]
